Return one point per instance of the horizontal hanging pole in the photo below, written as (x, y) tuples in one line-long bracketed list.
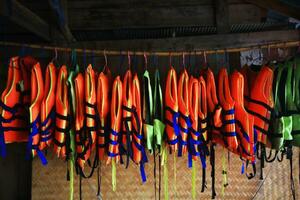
[(158, 53)]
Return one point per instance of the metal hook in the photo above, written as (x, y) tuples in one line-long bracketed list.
[(226, 58), (129, 59), (55, 55), (105, 58), (205, 59), (170, 59), (145, 60), (183, 59)]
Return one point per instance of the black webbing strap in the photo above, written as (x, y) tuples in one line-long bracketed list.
[(289, 156), (212, 163), (253, 173), (99, 172), (269, 158), (154, 173), (203, 179), (269, 108), (262, 159), (159, 175), (126, 121)]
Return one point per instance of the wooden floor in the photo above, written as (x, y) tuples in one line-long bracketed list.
[(50, 182)]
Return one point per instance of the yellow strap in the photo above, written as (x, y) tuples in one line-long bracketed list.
[(71, 195), (166, 178), (224, 172), (114, 175), (175, 176), (193, 179)]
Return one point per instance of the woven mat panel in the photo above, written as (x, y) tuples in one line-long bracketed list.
[(50, 182)]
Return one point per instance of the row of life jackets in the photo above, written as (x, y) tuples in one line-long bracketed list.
[(122, 118), (198, 110)]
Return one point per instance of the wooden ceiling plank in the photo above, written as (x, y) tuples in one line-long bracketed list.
[(221, 12)]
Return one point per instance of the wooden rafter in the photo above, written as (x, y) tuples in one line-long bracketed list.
[(25, 18), (278, 6), (61, 13)]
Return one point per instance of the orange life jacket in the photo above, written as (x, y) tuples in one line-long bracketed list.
[(37, 94), (202, 111), (138, 154), (90, 108), (81, 143), (171, 106), (14, 100), (193, 110), (227, 104), (62, 114), (197, 108), (103, 110), (244, 122), (258, 99), (214, 110), (116, 117), (202, 128), (127, 116), (48, 107), (183, 105)]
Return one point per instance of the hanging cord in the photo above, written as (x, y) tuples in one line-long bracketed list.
[(175, 175), (224, 172), (212, 163), (194, 170), (99, 174), (166, 175), (290, 158)]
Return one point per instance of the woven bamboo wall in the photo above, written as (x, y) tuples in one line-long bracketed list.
[(50, 182)]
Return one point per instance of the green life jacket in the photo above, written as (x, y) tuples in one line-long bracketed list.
[(278, 123), (153, 112), (291, 107), (72, 104), (296, 101), (158, 113), (148, 111)]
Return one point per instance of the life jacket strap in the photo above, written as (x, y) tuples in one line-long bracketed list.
[(185, 131), (114, 143), (30, 146), (45, 133), (253, 173), (269, 108), (174, 124)]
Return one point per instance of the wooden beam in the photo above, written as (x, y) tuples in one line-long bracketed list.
[(278, 6), (220, 41), (107, 15), (23, 17), (61, 13), (221, 11)]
